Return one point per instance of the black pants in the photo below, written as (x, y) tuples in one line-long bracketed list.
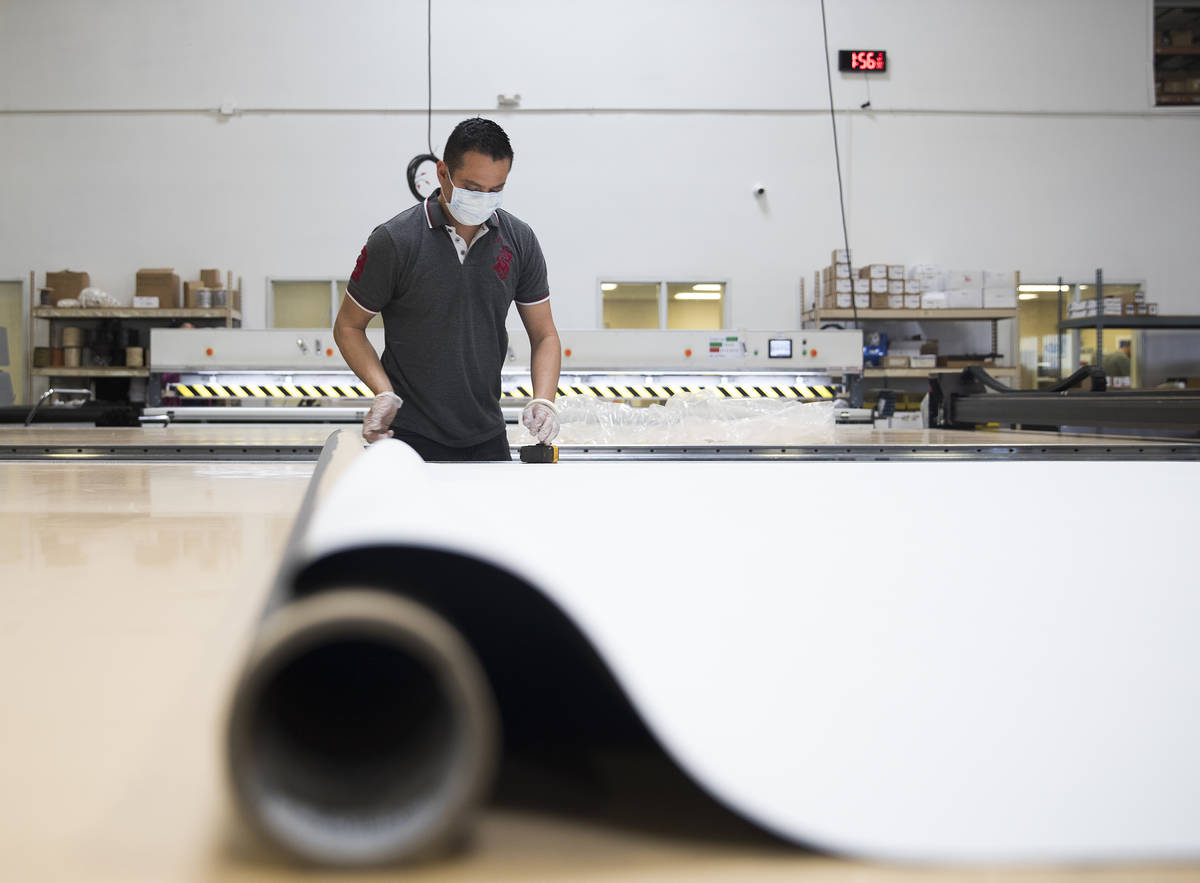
[(433, 452)]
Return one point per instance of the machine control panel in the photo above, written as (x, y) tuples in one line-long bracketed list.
[(807, 350)]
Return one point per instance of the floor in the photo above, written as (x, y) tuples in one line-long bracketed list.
[(127, 594)]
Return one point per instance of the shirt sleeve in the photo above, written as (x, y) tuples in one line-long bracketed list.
[(372, 284), (533, 287)]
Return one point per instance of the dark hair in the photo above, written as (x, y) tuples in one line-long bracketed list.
[(477, 134)]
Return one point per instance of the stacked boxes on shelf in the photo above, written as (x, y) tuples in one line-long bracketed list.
[(1131, 304), (922, 286)]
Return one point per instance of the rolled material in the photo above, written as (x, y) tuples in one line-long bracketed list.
[(134, 357), (72, 336), (204, 298), (363, 730), (71, 357)]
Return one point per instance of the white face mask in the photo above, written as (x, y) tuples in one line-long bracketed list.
[(473, 207)]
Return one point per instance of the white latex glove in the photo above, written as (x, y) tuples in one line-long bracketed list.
[(377, 424), (540, 417)]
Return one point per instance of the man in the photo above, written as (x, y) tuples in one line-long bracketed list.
[(443, 274), (1117, 364)]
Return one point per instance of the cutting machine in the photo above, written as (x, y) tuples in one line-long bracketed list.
[(218, 374)]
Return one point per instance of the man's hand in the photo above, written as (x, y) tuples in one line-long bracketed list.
[(377, 424), (540, 417)]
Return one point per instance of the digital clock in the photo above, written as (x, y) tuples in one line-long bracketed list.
[(870, 61)]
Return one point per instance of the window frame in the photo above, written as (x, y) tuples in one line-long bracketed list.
[(663, 304)]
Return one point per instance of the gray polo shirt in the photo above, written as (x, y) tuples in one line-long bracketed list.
[(443, 316)]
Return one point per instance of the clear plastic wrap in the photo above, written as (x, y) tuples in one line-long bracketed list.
[(705, 417)]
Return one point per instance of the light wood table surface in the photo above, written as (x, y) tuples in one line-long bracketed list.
[(127, 594)]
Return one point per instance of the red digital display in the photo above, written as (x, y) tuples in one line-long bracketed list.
[(871, 61)]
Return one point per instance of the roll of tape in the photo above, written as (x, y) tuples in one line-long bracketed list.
[(56, 356), (133, 357), (72, 336), (70, 356)]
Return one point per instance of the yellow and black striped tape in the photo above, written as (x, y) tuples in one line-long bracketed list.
[(356, 391)]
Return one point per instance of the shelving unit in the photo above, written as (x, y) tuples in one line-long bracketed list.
[(43, 320), (818, 317), (227, 314), (995, 371), (1175, 66)]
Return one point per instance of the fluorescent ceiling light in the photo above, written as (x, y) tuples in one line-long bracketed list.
[(706, 287), (608, 286), (698, 295), (1050, 288), (1027, 295)]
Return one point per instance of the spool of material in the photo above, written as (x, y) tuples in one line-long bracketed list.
[(133, 357), (41, 357), (203, 298), (46, 297), (71, 356), (72, 336), (220, 297), (363, 728), (56, 357)]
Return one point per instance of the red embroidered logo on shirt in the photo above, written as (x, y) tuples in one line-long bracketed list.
[(503, 263), (358, 266)]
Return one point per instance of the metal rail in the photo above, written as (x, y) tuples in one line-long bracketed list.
[(1123, 450)]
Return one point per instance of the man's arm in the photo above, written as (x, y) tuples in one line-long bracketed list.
[(545, 359), (350, 333)]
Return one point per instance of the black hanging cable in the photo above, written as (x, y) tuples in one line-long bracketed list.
[(838, 162), (429, 74), (416, 162)]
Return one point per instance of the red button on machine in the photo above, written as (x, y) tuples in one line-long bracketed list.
[(208, 352), (687, 353), (567, 353), (329, 352), (814, 353)]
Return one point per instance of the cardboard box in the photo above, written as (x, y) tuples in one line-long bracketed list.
[(862, 301), (922, 361), (895, 286), (912, 301), (873, 271), (840, 256), (160, 283), (895, 271), (912, 286), (961, 280), (964, 299), (142, 302), (189, 292), (933, 300), (211, 279), (843, 286), (999, 299), (66, 284), (879, 286), (999, 279), (895, 301), (1181, 38), (880, 302), (1152, 309), (837, 301), (890, 361)]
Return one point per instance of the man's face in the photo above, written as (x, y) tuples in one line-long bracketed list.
[(478, 171)]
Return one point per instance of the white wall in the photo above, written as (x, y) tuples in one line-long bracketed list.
[(642, 128)]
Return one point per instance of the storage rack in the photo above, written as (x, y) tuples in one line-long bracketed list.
[(229, 316)]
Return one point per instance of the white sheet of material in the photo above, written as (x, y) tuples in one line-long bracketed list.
[(706, 417), (894, 686)]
